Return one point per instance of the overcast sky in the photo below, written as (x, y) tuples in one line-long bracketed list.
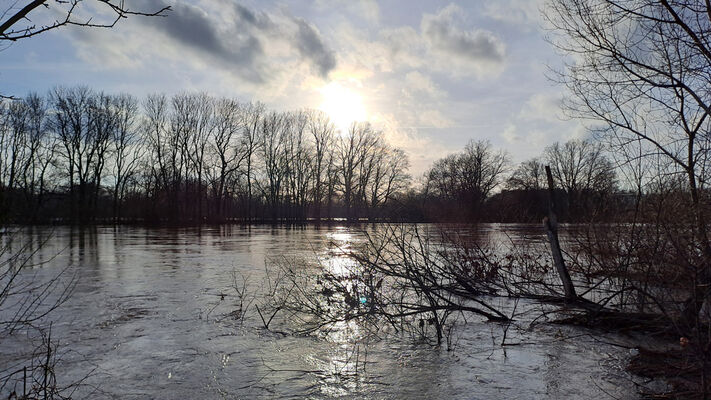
[(432, 75)]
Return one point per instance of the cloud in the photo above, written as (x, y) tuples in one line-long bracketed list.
[(510, 135), (191, 27), (311, 46), (421, 150), (256, 46), (477, 46), (442, 43), (417, 83), (537, 124), (543, 107), (432, 75), (366, 9), (523, 14)]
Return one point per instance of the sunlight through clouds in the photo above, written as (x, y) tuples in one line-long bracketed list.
[(343, 103), (443, 73)]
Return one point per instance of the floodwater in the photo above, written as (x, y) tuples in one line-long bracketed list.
[(148, 320)]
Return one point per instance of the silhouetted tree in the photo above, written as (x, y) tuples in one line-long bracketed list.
[(641, 72), (128, 147), (581, 168), (467, 178), (529, 175), (322, 130), (227, 150), (16, 22)]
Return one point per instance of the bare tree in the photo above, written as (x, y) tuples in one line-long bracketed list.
[(300, 156), (14, 146), (414, 281), (19, 22), (273, 148), (40, 148), (469, 177), (227, 149), (188, 157), (354, 150), (389, 176), (191, 125), (322, 130), (254, 113), (128, 147), (583, 171), (640, 70), (529, 175), (72, 125), (370, 155), (163, 151), (103, 124)]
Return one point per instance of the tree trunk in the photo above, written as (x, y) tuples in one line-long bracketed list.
[(550, 223), (702, 281)]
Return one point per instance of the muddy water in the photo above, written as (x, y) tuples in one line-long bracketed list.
[(147, 320)]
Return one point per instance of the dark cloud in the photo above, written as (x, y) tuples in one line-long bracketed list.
[(192, 27), (310, 45), (245, 14), (442, 34), (241, 44), (251, 19)]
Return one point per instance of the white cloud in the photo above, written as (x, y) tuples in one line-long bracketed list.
[(366, 9), (422, 150), (543, 106), (523, 14), (510, 134), (442, 44), (418, 84)]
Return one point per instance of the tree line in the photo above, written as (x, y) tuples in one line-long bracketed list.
[(78, 155), (81, 156), (480, 183)]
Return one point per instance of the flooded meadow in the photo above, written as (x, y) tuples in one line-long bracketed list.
[(157, 313)]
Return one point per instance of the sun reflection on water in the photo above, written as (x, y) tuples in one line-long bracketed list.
[(341, 237), (343, 366)]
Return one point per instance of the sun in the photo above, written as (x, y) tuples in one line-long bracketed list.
[(344, 105)]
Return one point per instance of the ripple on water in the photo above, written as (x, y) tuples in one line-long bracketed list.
[(147, 314)]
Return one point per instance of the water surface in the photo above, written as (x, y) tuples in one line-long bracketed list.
[(148, 319)]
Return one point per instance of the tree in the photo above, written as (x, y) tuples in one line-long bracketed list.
[(72, 124), (21, 23), (274, 132), (639, 71), (529, 175), (353, 151), (163, 152), (103, 124), (253, 116), (192, 122), (227, 150), (187, 157), (128, 147), (14, 146), (389, 176), (299, 152), (581, 168), (322, 130), (469, 177)]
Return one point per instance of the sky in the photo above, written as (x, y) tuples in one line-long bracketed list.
[(432, 75)]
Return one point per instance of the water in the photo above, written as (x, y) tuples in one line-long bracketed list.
[(147, 319)]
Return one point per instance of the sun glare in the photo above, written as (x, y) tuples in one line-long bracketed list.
[(343, 105)]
